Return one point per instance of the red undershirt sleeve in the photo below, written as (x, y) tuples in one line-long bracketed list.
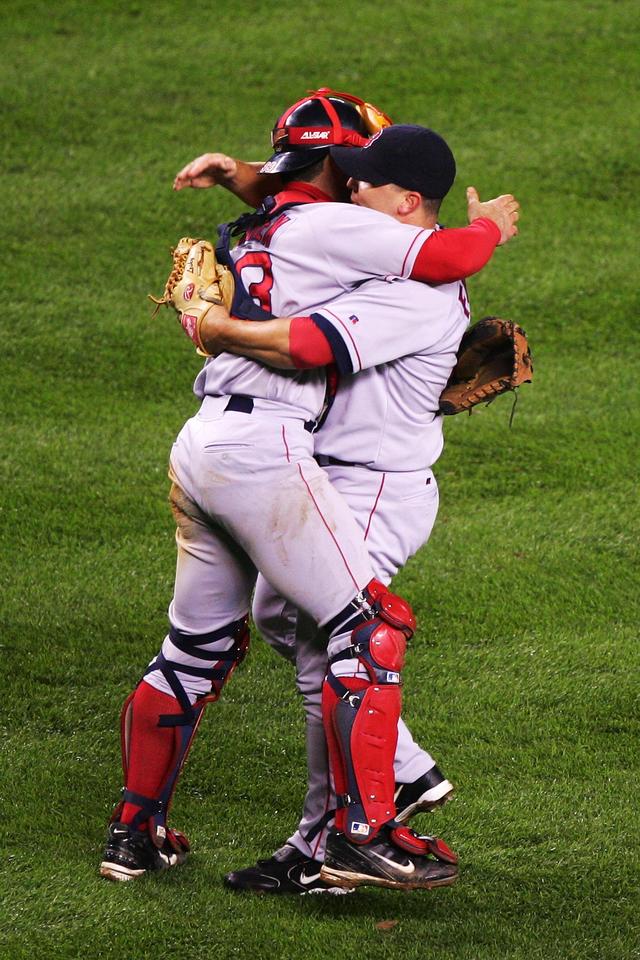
[(308, 345), (456, 253)]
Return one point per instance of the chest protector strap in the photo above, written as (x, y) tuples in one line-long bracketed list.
[(244, 306)]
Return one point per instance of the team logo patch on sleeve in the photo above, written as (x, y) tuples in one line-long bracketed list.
[(354, 319)]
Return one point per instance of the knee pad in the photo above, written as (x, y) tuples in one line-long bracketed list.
[(217, 667), (361, 715)]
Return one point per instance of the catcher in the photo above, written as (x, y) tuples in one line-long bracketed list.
[(195, 321)]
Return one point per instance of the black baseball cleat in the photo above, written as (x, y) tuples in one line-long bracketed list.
[(130, 854), (383, 864), (288, 871), (428, 792)]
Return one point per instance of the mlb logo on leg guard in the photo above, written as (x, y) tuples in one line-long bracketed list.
[(362, 829)]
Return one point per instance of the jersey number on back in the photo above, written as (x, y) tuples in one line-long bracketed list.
[(257, 276)]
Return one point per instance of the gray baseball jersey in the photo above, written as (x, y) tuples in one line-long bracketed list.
[(308, 256), (385, 414)]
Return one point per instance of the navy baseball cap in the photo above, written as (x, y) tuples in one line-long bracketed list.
[(410, 156)]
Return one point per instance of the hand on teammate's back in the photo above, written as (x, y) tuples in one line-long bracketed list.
[(503, 210)]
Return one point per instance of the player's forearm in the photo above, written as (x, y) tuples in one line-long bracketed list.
[(238, 176), (454, 254), (266, 341), (287, 343), (249, 185)]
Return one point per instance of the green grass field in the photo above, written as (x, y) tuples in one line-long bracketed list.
[(523, 679)]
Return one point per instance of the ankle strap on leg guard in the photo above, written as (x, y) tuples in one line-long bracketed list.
[(151, 809)]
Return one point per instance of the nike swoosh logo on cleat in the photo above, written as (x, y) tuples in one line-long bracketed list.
[(406, 868), (304, 879)]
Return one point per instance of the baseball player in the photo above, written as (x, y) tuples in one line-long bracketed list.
[(231, 520), (385, 420), (421, 783)]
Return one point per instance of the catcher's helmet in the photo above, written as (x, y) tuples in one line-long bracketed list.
[(325, 118)]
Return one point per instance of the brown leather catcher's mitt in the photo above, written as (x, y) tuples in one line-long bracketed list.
[(493, 357), (196, 282)]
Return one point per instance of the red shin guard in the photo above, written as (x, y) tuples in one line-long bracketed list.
[(361, 716), (157, 729), (362, 733), (148, 750)]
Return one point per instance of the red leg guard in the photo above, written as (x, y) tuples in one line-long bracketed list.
[(361, 717), (337, 763), (362, 743), (148, 750), (157, 729)]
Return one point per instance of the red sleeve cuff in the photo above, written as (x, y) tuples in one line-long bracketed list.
[(454, 254), (308, 345)]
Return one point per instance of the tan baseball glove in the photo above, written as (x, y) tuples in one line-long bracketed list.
[(196, 282), (493, 357)]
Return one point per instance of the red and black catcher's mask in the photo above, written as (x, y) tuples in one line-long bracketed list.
[(323, 119)]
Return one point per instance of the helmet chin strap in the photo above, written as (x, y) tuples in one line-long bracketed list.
[(342, 136)]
